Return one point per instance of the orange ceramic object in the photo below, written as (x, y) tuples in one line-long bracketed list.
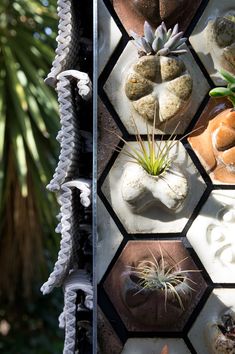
[(165, 350), (214, 142)]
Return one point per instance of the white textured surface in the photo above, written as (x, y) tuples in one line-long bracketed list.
[(67, 257), (219, 301), (140, 190), (208, 54), (69, 135), (109, 239), (67, 41), (156, 218), (114, 88), (109, 35), (212, 235), (154, 345)]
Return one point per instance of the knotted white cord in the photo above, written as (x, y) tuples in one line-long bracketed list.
[(77, 280), (69, 237), (68, 136), (67, 41)]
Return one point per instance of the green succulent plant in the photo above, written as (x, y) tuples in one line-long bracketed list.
[(161, 41), (228, 91), (160, 275)]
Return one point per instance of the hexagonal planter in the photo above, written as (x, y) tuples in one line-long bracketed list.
[(109, 239), (142, 205), (154, 308), (216, 160), (108, 341), (105, 121), (209, 332), (214, 38), (109, 35), (134, 13), (215, 243), (155, 345), (158, 91)]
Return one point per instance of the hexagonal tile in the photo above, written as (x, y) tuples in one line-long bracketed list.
[(134, 13), (108, 341), (109, 239), (213, 46), (156, 217), (114, 88), (215, 243), (151, 310), (155, 345), (106, 141), (204, 332), (109, 35), (202, 142)]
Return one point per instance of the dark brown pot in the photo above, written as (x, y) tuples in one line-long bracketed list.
[(133, 13), (148, 306), (145, 311), (155, 11)]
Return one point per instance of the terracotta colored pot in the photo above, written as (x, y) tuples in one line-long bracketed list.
[(214, 142)]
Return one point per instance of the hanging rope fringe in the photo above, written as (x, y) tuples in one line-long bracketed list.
[(67, 41), (74, 194)]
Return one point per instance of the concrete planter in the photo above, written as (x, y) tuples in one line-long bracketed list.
[(141, 190)]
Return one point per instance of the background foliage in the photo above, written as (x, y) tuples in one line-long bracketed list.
[(28, 154)]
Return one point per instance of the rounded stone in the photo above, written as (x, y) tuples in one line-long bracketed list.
[(181, 86), (170, 68), (137, 86), (146, 107), (224, 31)]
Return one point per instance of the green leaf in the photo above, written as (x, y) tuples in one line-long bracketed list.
[(227, 76), (220, 92)]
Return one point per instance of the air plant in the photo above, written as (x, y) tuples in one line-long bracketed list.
[(154, 157), (161, 41), (161, 275), (228, 91)]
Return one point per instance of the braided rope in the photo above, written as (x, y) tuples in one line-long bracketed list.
[(67, 41), (68, 136), (69, 230), (77, 280)]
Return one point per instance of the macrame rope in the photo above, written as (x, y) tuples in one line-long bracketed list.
[(67, 41), (77, 280)]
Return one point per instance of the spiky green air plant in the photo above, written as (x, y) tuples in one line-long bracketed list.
[(163, 275), (228, 91), (153, 156), (161, 41), (28, 126)]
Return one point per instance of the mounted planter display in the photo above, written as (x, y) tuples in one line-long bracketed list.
[(159, 81), (156, 73), (154, 285), (151, 183)]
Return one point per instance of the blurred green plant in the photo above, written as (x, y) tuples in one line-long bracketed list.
[(28, 150), (32, 327)]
